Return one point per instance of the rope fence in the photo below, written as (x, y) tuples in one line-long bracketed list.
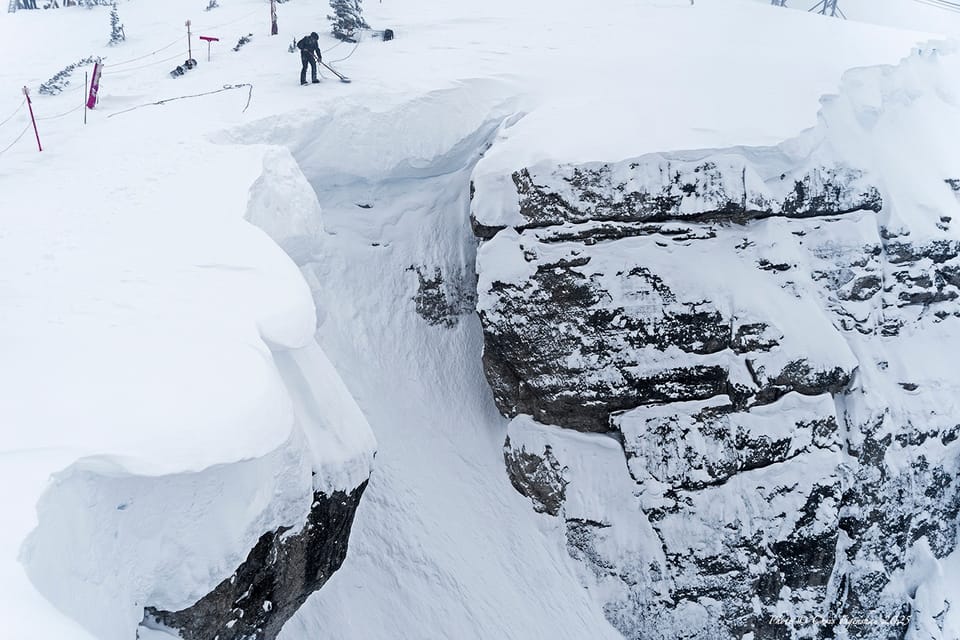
[(146, 55), (224, 24), (942, 4), (16, 140), (182, 56), (226, 87), (352, 51), (15, 112), (61, 115)]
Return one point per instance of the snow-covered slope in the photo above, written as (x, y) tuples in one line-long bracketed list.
[(175, 390)]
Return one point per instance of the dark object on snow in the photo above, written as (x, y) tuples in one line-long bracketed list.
[(242, 41), (183, 68), (309, 54), (387, 35)]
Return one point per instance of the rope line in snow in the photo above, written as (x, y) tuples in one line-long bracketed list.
[(9, 146), (352, 51), (182, 54), (65, 113), (146, 55), (217, 26), (226, 87), (339, 42), (942, 4), (15, 112)]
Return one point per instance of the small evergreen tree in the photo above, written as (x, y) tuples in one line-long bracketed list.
[(116, 29), (347, 19)]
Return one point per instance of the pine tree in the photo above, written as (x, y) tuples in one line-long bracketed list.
[(347, 19), (116, 29)]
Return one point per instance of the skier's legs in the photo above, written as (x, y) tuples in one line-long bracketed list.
[(303, 70), (313, 68)]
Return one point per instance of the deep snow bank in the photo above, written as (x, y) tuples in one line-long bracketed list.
[(192, 412), (762, 330)]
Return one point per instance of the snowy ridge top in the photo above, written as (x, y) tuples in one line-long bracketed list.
[(131, 307), (855, 145)]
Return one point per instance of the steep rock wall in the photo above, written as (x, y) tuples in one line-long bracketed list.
[(764, 333)]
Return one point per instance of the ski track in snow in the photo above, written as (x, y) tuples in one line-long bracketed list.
[(140, 312)]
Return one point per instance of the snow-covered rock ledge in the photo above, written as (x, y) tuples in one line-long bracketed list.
[(748, 349), (180, 451)]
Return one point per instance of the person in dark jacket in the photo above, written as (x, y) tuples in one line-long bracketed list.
[(309, 47)]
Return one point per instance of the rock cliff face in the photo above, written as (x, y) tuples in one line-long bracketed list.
[(279, 574), (744, 354)]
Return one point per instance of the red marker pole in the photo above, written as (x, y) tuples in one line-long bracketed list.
[(209, 40), (26, 93)]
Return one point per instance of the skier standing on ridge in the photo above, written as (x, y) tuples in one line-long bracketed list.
[(309, 47)]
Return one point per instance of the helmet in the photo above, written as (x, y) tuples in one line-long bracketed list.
[(314, 35)]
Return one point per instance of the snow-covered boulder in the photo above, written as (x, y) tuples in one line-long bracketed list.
[(759, 339)]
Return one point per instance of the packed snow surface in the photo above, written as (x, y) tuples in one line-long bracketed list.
[(162, 358)]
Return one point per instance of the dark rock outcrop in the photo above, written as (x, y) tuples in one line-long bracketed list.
[(442, 299), (654, 189), (536, 476), (279, 574), (718, 319)]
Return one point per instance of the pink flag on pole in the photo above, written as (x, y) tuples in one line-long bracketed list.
[(94, 85)]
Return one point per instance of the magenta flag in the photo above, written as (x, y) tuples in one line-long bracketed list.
[(94, 85)]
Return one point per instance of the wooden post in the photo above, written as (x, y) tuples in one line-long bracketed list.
[(273, 18), (189, 42), (26, 93)]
